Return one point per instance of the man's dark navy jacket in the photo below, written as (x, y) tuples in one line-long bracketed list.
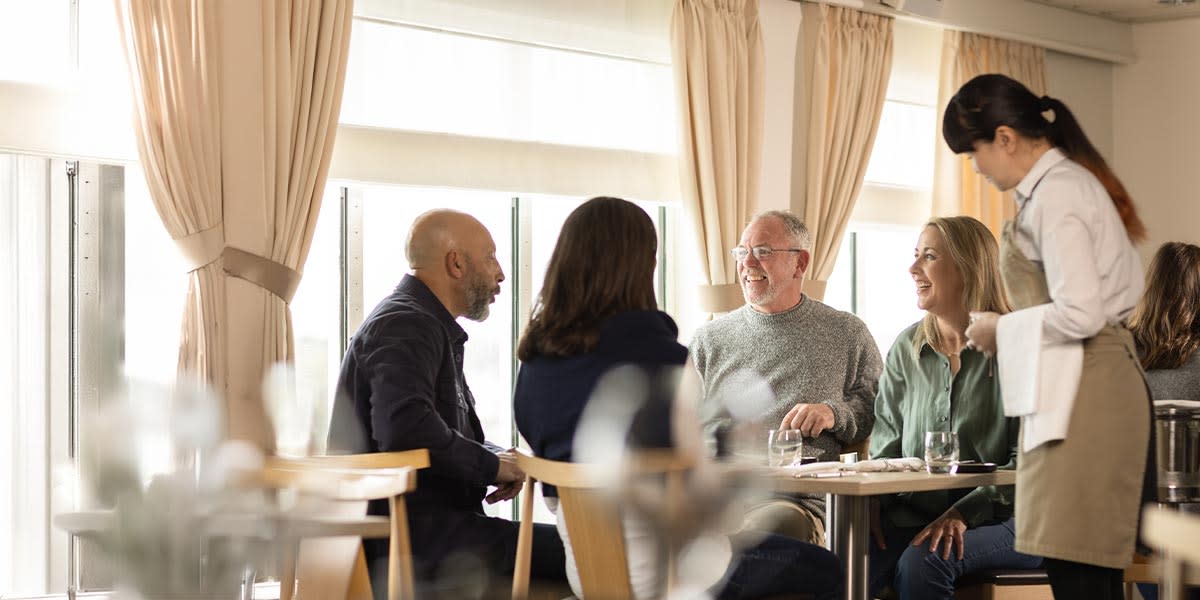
[(401, 387)]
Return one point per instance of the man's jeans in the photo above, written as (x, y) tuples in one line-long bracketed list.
[(780, 565), (914, 572)]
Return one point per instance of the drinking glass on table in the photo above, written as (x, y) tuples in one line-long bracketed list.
[(941, 451), (783, 447)]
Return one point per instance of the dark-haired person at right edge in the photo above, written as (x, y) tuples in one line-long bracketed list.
[(1068, 366), (1166, 324), (1166, 328)]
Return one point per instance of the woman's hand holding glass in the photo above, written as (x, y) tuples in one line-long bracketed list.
[(981, 332)]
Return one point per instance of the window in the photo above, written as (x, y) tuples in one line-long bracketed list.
[(39, 33), (156, 283), (497, 89), (903, 153), (63, 237), (871, 280)]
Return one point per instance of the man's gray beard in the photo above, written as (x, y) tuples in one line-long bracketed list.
[(479, 300), (764, 298)]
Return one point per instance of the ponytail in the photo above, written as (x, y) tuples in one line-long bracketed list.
[(1064, 131), (989, 101)]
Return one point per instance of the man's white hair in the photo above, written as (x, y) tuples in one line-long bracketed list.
[(792, 223)]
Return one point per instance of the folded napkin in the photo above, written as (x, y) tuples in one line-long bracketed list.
[(878, 465), (1038, 378)]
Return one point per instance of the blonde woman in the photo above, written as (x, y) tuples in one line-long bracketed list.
[(932, 382)]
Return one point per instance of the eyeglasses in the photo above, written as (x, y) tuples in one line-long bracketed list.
[(739, 253)]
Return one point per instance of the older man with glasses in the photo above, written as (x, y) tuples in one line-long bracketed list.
[(821, 364)]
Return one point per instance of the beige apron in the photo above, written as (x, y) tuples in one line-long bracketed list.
[(1078, 499)]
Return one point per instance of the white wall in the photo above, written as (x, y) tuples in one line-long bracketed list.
[(1085, 85), (1156, 130)]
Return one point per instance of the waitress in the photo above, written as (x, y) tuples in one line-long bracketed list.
[(1067, 363)]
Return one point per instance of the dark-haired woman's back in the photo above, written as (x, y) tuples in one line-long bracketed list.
[(551, 392)]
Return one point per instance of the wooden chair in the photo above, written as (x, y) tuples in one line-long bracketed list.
[(593, 520), (1004, 584), (1034, 584), (332, 565), (863, 449), (1176, 535)]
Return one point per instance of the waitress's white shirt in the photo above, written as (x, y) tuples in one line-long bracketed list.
[(1067, 224), (1073, 231)]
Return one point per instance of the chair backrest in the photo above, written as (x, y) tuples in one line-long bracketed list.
[(592, 518), (334, 567), (863, 448), (1177, 535)]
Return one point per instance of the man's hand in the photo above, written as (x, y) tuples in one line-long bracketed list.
[(949, 528), (810, 419), (509, 479)]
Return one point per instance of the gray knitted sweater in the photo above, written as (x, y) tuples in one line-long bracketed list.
[(1176, 384), (811, 353)]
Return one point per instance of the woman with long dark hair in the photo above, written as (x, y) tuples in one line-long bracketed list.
[(1166, 324), (1067, 363), (597, 312)]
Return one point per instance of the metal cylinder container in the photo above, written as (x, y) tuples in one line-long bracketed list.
[(1178, 453)]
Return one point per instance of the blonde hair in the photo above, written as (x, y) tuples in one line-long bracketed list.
[(974, 252)]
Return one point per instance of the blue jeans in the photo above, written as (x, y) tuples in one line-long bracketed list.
[(780, 565), (914, 572)]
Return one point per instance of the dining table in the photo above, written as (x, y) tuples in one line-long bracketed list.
[(848, 506)]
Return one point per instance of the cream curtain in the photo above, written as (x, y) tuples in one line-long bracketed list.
[(957, 188), (848, 57), (241, 137), (174, 65), (717, 58)]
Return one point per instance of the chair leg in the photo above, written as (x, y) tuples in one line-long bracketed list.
[(520, 577), (289, 549), (400, 569)]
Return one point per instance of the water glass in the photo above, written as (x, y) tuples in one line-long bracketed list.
[(783, 447), (941, 451)]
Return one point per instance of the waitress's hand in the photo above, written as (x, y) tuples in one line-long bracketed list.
[(948, 528), (981, 332)]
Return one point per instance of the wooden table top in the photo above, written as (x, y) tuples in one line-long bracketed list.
[(872, 484)]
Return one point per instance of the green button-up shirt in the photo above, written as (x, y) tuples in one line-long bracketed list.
[(918, 393)]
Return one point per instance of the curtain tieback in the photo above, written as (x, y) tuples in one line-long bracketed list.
[(204, 247), (277, 278), (721, 297)]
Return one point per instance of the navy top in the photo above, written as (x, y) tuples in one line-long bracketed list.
[(402, 387), (551, 392)]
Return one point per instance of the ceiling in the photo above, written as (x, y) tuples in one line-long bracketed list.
[(1133, 11)]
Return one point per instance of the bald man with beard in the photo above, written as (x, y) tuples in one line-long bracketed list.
[(402, 387)]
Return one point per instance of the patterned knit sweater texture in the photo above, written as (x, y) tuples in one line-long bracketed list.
[(811, 353)]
